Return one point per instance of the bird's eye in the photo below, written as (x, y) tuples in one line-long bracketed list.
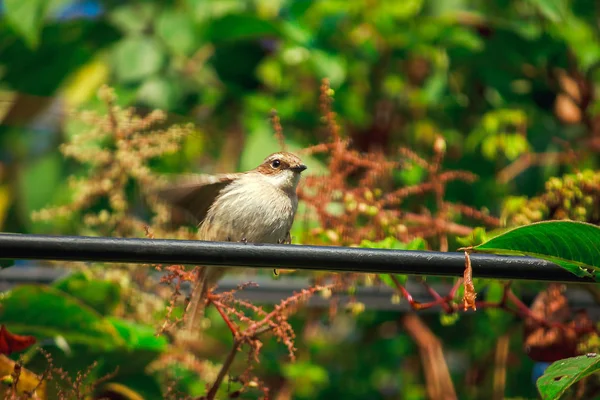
[(275, 163)]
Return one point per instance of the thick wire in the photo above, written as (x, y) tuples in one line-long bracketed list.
[(340, 259)]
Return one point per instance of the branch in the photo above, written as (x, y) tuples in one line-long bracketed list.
[(435, 369), (224, 369), (530, 159)]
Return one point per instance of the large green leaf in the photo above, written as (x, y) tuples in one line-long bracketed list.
[(101, 295), (574, 246), (563, 373), (139, 337), (46, 312)]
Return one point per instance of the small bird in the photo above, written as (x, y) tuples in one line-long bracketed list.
[(256, 206)]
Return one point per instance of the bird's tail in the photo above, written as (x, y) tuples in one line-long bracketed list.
[(195, 309)]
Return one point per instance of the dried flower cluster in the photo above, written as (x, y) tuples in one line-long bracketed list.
[(116, 150), (66, 388), (248, 322), (358, 200)]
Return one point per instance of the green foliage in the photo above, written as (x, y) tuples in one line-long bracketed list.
[(38, 183), (137, 58), (139, 337), (572, 245), (485, 76), (477, 236), (500, 132), (394, 244), (571, 196), (27, 17), (48, 313), (102, 296), (561, 375), (307, 378)]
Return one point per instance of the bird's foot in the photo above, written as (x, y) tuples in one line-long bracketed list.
[(286, 240)]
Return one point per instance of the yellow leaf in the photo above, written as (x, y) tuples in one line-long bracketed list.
[(85, 82), (4, 202), (28, 381)]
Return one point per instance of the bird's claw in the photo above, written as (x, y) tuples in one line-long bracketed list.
[(286, 240)]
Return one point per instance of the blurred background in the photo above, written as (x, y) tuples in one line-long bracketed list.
[(503, 89)]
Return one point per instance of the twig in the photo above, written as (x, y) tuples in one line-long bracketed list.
[(502, 347), (224, 369), (530, 159), (437, 376), (276, 122)]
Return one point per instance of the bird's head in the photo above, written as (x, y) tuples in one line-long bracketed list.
[(282, 170)]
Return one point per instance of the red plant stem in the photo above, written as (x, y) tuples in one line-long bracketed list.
[(230, 324), (454, 289), (508, 296), (252, 329), (444, 301), (415, 305)]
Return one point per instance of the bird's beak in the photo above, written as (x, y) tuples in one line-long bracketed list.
[(298, 168)]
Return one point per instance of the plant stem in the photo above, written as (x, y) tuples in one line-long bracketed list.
[(224, 369)]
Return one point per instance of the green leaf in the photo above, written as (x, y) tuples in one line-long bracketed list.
[(307, 377), (563, 373), (46, 312), (435, 87), (477, 235), (331, 66), (412, 175), (26, 18), (554, 10), (137, 57), (575, 246), (582, 38), (296, 33), (139, 337), (177, 30), (240, 26), (133, 18), (102, 296), (160, 92)]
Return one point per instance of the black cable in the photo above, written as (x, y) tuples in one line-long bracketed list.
[(342, 259)]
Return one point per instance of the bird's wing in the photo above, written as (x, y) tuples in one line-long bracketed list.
[(195, 193)]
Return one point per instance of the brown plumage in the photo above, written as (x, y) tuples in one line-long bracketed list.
[(256, 206)]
